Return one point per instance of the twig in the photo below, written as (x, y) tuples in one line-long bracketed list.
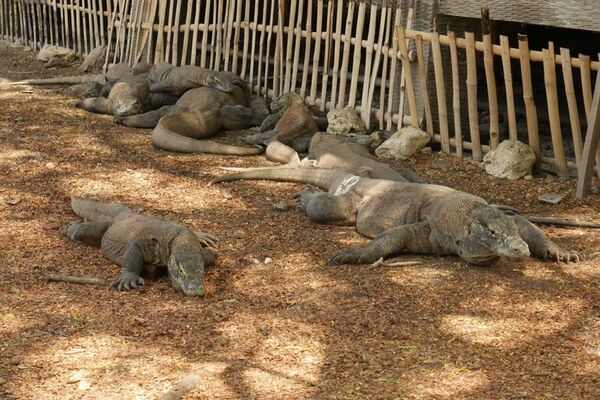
[(82, 280), (381, 263)]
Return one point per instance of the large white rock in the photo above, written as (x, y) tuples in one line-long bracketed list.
[(403, 144), (345, 121), (94, 60), (56, 55), (510, 160)]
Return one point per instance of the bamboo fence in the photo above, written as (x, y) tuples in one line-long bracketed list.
[(335, 53)]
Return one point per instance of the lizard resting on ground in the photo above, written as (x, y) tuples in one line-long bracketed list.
[(415, 218), (133, 240), (164, 77)]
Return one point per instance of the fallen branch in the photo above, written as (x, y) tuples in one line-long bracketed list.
[(82, 280), (381, 263)]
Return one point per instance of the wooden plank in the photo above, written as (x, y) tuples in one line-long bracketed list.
[(490, 78), (472, 96), (346, 55), (356, 61), (553, 111), (590, 148), (572, 103), (440, 89), (508, 85), (456, 94), (530, 108)]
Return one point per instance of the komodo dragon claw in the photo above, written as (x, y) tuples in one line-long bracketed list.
[(562, 255), (127, 281), (361, 255), (206, 238)]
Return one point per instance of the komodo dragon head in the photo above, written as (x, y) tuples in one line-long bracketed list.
[(219, 81), (186, 266), (283, 102), (492, 234)]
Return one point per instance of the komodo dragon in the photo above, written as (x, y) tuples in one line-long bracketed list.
[(133, 240), (415, 218), (164, 77)]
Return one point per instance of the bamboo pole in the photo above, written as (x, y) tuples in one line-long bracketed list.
[(357, 54), (508, 84), (91, 29), (325, 79), (407, 71), (194, 44), (253, 48), (170, 24), (346, 55), (440, 89), (45, 24), (336, 50), (267, 62), (530, 108), (401, 107), (298, 40), (186, 33), (78, 28), (204, 45), (219, 28), (572, 103), (472, 96), (306, 49), (213, 37), (150, 30), (55, 31), (229, 27), (592, 138), (246, 25), (553, 111), (129, 27), (288, 52), (3, 24), (160, 36), (394, 57), (317, 51), (65, 24), (371, 93), (586, 84), (84, 28), (364, 111), (490, 77), (175, 30), (456, 94), (123, 29), (96, 22), (136, 51), (261, 47), (278, 62), (425, 92)]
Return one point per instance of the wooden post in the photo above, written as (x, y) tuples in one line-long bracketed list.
[(553, 111), (186, 34), (316, 52), (309, 7), (375, 71), (345, 55), (424, 91), (508, 84), (357, 56), (196, 27), (278, 78), (246, 25), (440, 91), (261, 45), (153, 8), (269, 35), (572, 103), (488, 62), (229, 28), (386, 57), (472, 96), (288, 52), (364, 110), (455, 94), (160, 35), (407, 70), (590, 148), (170, 24), (586, 83), (203, 62), (325, 78), (401, 107), (394, 56), (530, 109), (254, 26)]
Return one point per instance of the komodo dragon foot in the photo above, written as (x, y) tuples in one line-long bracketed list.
[(361, 255), (206, 239), (127, 281), (554, 253)]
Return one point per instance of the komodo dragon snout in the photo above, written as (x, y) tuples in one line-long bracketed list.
[(492, 230), (219, 82), (126, 105), (186, 269)]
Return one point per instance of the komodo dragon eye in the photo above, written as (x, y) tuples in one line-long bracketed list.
[(493, 232), (182, 271)]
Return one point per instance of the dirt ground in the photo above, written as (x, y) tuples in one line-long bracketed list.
[(286, 328)]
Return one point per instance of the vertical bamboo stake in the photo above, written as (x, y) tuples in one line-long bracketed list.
[(424, 91), (553, 111), (64, 29), (3, 24), (530, 109), (386, 53), (488, 63), (131, 17), (90, 26), (160, 36), (175, 29), (186, 33), (56, 33), (375, 71), (246, 25), (586, 83), (364, 103), (150, 32), (336, 52), (236, 36), (508, 84), (309, 8), (254, 26), (136, 51), (78, 30), (278, 62), (214, 34), (170, 25), (456, 94), (73, 28), (96, 20), (195, 35), (394, 57), (219, 30), (346, 55), (407, 71), (123, 29), (357, 54), (288, 52), (440, 89), (298, 35), (268, 60), (44, 23), (111, 24), (325, 80), (229, 27), (317, 53), (401, 107), (261, 46), (565, 55), (592, 138), (472, 95), (203, 63)]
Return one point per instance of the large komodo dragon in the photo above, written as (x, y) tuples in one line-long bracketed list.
[(133, 240), (416, 218), (199, 114), (164, 77)]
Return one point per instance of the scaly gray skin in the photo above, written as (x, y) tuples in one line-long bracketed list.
[(133, 240), (329, 151), (165, 77), (406, 217)]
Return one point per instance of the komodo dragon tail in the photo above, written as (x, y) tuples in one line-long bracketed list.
[(96, 209), (321, 177), (63, 80)]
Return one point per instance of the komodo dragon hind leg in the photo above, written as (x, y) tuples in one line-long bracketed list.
[(89, 232), (328, 209), (98, 105), (412, 238), (539, 244), (146, 120), (260, 138)]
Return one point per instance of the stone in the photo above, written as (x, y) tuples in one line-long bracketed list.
[(345, 121), (403, 144), (268, 260), (376, 138), (511, 160), (551, 198), (55, 56), (94, 60), (528, 177), (239, 234)]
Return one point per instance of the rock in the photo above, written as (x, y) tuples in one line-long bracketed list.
[(94, 60), (268, 260), (84, 385), (55, 56), (50, 165), (427, 150), (85, 90), (345, 121), (403, 144), (376, 138), (239, 234), (528, 177), (511, 160), (551, 198), (16, 44), (280, 206)]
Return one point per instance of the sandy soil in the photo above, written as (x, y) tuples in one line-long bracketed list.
[(291, 328)]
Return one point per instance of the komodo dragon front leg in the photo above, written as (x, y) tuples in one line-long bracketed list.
[(137, 253), (98, 105), (146, 120), (89, 232), (410, 238), (324, 208), (539, 244)]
